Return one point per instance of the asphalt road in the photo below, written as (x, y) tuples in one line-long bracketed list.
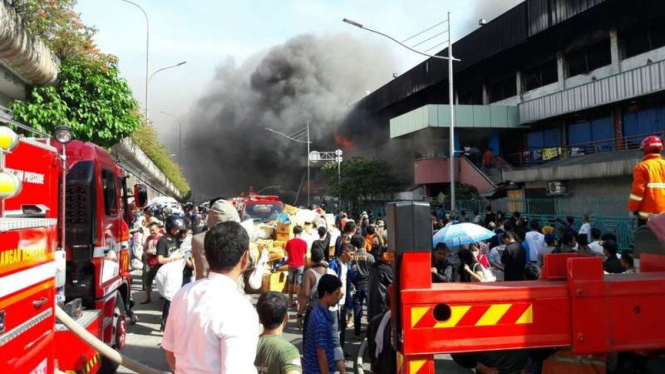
[(144, 338)]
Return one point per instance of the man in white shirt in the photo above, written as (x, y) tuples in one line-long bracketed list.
[(536, 241), (212, 327), (586, 227), (595, 243)]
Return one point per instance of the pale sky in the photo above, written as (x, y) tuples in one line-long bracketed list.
[(206, 32)]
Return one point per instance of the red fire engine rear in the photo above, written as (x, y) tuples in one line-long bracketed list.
[(88, 276), (574, 305)]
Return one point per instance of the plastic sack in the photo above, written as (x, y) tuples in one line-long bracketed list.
[(284, 218), (305, 216), (169, 278), (488, 276), (137, 246), (136, 264), (248, 225), (262, 234), (256, 278)]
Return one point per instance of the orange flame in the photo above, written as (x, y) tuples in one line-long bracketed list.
[(343, 141)]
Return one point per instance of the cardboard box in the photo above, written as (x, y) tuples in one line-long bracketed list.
[(267, 244), (283, 237), (276, 254), (279, 243), (285, 228), (269, 229), (291, 210), (274, 282)]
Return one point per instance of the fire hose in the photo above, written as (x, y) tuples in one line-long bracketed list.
[(101, 347)]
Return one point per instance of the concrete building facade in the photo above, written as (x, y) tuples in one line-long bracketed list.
[(584, 79)]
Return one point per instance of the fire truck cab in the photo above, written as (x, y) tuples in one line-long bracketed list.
[(79, 262), (258, 207)]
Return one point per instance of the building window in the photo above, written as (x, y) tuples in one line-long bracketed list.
[(589, 58), (110, 194), (642, 39), (474, 97), (503, 89), (539, 76)]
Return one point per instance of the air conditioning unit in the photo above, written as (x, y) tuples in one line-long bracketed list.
[(557, 188)]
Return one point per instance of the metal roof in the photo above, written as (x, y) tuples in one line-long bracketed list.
[(508, 30)]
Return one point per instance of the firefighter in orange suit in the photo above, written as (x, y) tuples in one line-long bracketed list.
[(648, 193)]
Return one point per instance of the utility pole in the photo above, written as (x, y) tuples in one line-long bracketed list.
[(308, 168), (451, 98)]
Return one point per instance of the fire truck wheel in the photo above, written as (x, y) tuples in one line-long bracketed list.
[(119, 334), (361, 358)]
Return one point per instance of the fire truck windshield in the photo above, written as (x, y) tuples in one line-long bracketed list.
[(262, 211)]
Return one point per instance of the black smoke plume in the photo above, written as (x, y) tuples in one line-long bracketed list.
[(307, 79)]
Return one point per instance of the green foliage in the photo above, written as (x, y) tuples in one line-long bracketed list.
[(91, 99), (361, 179), (146, 138), (57, 24)]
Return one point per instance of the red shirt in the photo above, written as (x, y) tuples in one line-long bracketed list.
[(151, 244), (296, 249)]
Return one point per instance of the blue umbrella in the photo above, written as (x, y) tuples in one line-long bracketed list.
[(461, 234)]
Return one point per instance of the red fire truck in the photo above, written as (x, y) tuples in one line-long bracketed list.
[(574, 305), (258, 207), (76, 257)]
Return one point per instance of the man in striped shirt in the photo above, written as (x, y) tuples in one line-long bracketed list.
[(319, 347)]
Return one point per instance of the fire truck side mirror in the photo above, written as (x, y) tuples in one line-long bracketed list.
[(140, 195)]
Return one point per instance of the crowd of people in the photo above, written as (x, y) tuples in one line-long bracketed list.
[(203, 334), (519, 246), (348, 276), (516, 252)]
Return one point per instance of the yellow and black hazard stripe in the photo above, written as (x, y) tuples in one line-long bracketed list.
[(473, 315), (91, 364)]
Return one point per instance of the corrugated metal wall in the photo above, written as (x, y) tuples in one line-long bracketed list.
[(629, 84), (544, 14), (508, 30)]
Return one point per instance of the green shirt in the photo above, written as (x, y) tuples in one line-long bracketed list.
[(275, 355)]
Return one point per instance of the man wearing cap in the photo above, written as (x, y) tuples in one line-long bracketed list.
[(647, 195), (220, 211)]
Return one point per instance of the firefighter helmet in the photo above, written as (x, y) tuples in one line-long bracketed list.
[(651, 144)]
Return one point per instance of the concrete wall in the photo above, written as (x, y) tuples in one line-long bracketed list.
[(28, 58), (436, 170), (581, 79), (641, 60), (604, 196)]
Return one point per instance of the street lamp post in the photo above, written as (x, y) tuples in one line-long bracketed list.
[(450, 59), (294, 137), (336, 156), (147, 99), (179, 134), (309, 179), (147, 52)]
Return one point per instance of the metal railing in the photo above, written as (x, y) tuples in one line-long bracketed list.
[(539, 156), (603, 213)]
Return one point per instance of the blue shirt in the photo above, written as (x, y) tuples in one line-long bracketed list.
[(319, 335)]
